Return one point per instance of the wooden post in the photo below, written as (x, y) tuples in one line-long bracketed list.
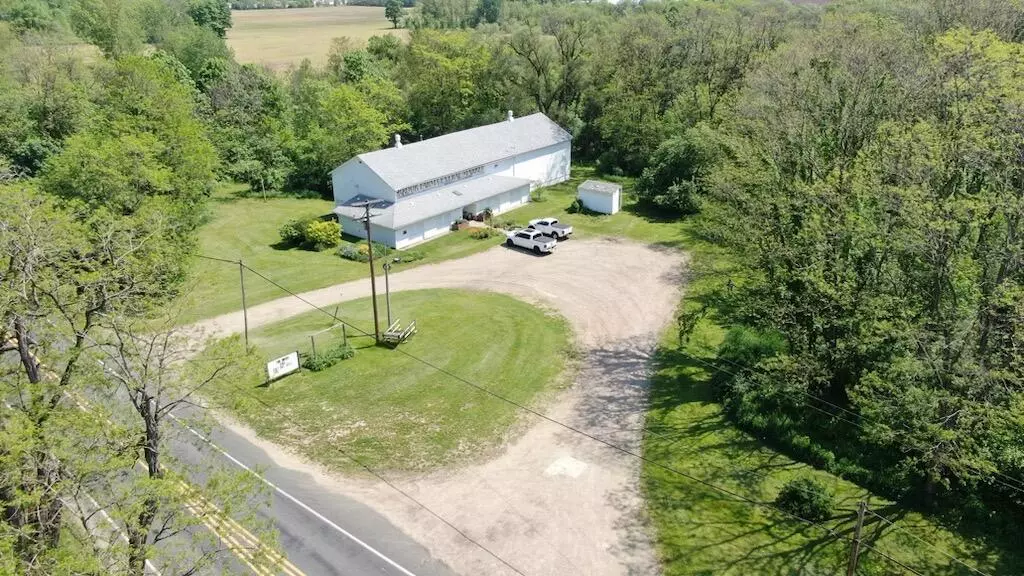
[(373, 276), (344, 335), (245, 313), (851, 568), (312, 344)]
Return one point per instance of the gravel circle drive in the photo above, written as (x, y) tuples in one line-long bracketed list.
[(552, 502)]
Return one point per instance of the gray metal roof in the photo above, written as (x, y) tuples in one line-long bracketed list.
[(600, 186), (418, 162), (422, 206)]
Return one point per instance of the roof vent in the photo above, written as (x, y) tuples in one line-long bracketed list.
[(510, 117), (398, 140)]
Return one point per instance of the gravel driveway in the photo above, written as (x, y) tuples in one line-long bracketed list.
[(553, 502)]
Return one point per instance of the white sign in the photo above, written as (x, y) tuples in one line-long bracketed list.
[(283, 365)]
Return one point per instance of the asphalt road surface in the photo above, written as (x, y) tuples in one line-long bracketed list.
[(320, 534)]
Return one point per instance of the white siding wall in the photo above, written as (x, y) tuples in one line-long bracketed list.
[(599, 201), (355, 228), (353, 177), (543, 167), (426, 229)]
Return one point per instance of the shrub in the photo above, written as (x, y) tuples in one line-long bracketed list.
[(294, 231), (505, 225), (577, 207), (806, 498), (361, 252), (322, 234), (324, 360), (484, 233)]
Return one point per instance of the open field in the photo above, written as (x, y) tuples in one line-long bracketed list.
[(280, 38), (389, 410)]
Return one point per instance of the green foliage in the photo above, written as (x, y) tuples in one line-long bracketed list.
[(360, 252), (874, 220), (673, 181), (394, 11), (452, 81), (332, 123), (322, 234), (311, 233), (485, 233), (294, 231), (145, 143), (806, 498), (324, 360), (488, 11), (385, 47), (212, 14), (409, 256), (109, 24), (196, 47)]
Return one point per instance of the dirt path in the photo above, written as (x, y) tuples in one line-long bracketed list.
[(553, 502)]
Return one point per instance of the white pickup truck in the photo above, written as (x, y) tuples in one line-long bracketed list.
[(552, 227), (531, 240)]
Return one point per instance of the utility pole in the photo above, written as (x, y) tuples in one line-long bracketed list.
[(373, 277), (245, 313), (387, 290), (851, 568)]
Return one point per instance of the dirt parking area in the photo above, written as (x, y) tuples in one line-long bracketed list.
[(553, 502)]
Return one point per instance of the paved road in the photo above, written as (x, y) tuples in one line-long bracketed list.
[(312, 523)]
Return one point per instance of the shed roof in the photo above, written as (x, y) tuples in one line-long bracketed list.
[(600, 186), (422, 206), (418, 162)]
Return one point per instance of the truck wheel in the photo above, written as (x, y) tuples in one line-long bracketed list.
[(536, 249), (509, 243)]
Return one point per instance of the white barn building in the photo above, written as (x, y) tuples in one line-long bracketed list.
[(419, 190)]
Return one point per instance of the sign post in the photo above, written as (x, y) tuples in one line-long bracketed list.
[(282, 366)]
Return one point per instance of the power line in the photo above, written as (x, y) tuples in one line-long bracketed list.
[(923, 541), (1018, 484), (383, 479), (626, 451)]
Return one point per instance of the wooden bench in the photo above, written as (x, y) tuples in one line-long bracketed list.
[(395, 334)]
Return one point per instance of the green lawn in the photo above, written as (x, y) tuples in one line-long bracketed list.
[(389, 410), (247, 228), (631, 222)]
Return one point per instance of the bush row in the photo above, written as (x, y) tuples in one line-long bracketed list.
[(330, 357), (360, 252)]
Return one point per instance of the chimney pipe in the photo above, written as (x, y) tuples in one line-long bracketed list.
[(398, 141), (510, 118)]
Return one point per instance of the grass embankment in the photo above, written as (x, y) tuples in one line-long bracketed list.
[(247, 228), (388, 409), (281, 38), (702, 531)]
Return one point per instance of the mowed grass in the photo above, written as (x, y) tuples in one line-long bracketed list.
[(388, 409), (247, 229), (281, 38), (630, 222)]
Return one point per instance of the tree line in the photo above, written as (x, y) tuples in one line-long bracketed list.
[(862, 161)]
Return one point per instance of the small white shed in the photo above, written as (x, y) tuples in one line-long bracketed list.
[(600, 196)]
